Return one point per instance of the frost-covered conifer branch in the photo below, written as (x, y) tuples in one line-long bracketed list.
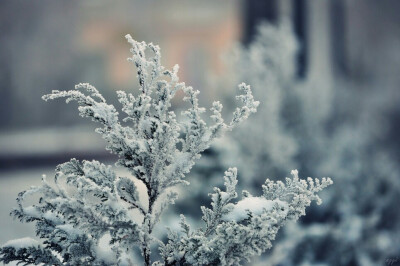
[(234, 233), (88, 202)]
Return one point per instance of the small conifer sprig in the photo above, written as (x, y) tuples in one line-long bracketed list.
[(234, 233)]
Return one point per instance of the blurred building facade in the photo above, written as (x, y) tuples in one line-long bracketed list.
[(344, 43), (54, 45), (356, 39)]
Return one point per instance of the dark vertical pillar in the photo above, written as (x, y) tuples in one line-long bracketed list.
[(256, 11), (338, 29), (300, 29)]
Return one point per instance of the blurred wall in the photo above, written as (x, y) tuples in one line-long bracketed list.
[(49, 45)]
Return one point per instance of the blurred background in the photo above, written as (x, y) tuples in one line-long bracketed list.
[(346, 66)]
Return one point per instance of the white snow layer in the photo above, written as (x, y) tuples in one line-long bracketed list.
[(21, 243), (255, 205)]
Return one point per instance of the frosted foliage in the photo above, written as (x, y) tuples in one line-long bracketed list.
[(234, 233), (320, 127), (89, 215)]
